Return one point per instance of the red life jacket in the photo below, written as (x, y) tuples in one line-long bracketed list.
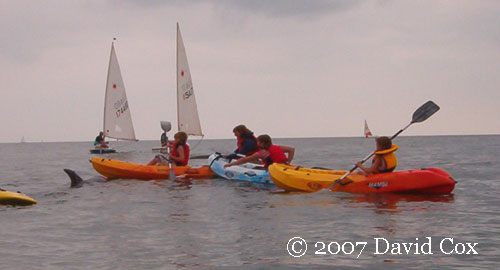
[(176, 154), (240, 145), (276, 155)]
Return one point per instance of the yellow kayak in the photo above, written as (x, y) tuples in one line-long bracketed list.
[(294, 178), (423, 181), (15, 198)]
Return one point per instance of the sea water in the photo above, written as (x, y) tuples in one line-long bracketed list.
[(133, 224)]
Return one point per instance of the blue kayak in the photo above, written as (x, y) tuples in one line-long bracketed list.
[(249, 172)]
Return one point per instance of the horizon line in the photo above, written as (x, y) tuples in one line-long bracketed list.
[(313, 137)]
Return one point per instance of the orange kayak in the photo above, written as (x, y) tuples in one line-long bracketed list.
[(426, 181), (126, 170)]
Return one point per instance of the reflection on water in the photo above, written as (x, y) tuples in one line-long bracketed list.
[(395, 201), (390, 202)]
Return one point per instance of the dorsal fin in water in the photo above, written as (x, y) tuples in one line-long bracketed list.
[(76, 180)]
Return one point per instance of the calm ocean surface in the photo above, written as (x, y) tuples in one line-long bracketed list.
[(131, 224)]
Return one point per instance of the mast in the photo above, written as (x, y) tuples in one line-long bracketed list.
[(177, 76), (106, 89)]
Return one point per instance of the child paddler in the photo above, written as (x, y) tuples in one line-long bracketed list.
[(179, 155), (384, 159)]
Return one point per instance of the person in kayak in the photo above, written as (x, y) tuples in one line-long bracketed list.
[(179, 155), (384, 159), (268, 153), (246, 142), (99, 141)]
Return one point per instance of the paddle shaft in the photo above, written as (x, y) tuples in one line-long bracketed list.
[(367, 157), (171, 172), (400, 131), (200, 157)]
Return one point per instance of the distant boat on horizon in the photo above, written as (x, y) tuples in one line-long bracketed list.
[(23, 140), (368, 133)]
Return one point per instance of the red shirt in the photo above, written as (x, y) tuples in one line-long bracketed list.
[(273, 154)]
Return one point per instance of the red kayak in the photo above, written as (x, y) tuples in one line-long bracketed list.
[(428, 181)]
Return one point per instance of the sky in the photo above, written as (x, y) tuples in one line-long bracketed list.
[(286, 68)]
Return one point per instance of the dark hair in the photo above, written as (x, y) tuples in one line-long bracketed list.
[(384, 142), (243, 130), (182, 136), (265, 140)]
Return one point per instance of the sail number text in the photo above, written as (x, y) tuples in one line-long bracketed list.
[(121, 106), (187, 90)]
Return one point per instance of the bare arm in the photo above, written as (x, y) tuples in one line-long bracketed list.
[(170, 143), (290, 150), (180, 158), (250, 158), (372, 169), (103, 142)]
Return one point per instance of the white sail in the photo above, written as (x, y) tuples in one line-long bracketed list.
[(368, 133), (117, 118), (187, 111)]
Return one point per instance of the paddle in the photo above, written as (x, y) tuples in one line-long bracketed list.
[(166, 126), (200, 157), (171, 172), (420, 115)]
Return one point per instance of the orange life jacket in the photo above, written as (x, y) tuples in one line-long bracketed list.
[(389, 158)]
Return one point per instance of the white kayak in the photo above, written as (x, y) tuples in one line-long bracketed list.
[(249, 172)]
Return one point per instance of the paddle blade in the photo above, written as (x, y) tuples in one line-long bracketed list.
[(166, 126), (425, 111), (171, 175)]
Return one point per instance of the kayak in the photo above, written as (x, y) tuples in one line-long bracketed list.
[(15, 198), (249, 172), (102, 151), (423, 181), (126, 170)]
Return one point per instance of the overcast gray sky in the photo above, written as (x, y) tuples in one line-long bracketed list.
[(285, 68)]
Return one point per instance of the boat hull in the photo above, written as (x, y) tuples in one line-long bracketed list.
[(126, 170), (248, 172), (15, 198), (423, 181), (102, 151)]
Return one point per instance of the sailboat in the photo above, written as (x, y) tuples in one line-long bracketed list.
[(188, 119), (23, 140), (368, 133), (117, 122), (187, 112)]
